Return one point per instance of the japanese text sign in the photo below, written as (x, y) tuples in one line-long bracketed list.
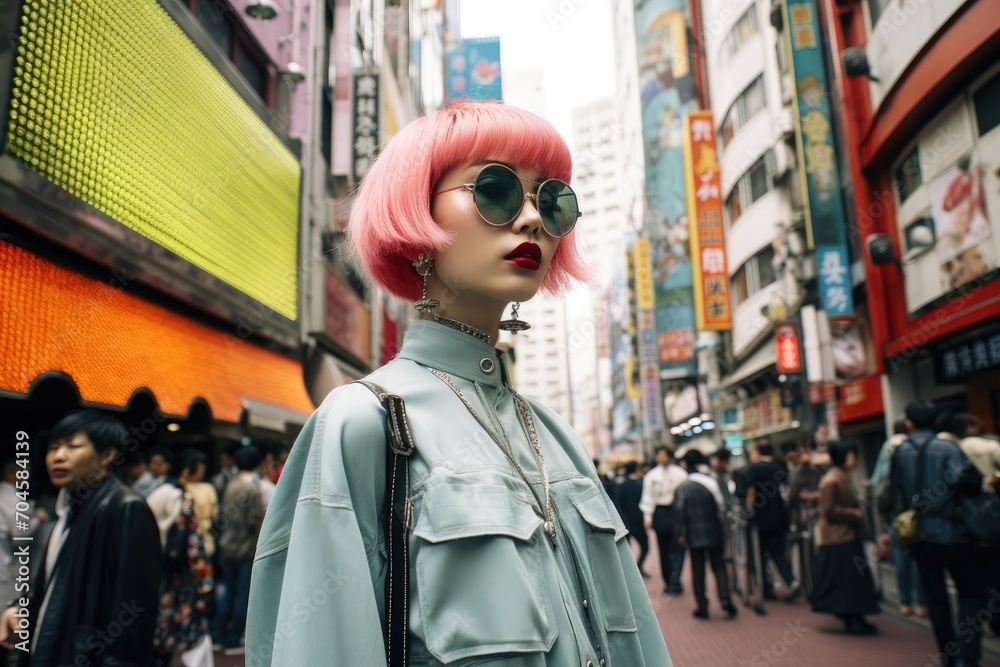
[(789, 357), (365, 132), (817, 158), (708, 245)]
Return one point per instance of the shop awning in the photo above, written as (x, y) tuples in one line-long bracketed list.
[(111, 343)]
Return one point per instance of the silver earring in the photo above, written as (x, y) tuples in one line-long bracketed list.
[(514, 325), (423, 264)]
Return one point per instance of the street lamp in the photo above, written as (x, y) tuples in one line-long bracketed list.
[(293, 72), (264, 10)]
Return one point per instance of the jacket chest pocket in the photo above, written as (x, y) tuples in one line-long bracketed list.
[(480, 586), (603, 533)]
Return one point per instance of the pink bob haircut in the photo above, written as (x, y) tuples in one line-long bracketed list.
[(391, 221)]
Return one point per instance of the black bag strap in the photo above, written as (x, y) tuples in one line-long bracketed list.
[(921, 450), (399, 447)]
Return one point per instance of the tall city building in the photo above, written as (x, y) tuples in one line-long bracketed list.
[(921, 88), (168, 241), (601, 134), (751, 102), (541, 353)]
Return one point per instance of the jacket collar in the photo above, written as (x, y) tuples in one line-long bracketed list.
[(435, 345)]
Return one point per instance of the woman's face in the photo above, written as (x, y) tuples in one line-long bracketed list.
[(483, 259), (850, 461)]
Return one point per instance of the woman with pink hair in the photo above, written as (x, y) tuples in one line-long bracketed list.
[(492, 540)]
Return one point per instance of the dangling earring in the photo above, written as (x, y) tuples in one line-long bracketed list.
[(423, 264), (514, 325)]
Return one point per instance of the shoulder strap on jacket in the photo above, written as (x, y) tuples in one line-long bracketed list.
[(399, 446)]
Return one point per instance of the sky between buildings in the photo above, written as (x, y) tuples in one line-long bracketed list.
[(570, 41)]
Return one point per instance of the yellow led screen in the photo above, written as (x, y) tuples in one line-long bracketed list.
[(114, 103)]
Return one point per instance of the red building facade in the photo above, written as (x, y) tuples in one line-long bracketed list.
[(923, 133)]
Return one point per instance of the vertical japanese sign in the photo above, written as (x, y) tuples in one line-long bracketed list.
[(817, 157), (667, 92), (474, 69), (789, 356), (649, 366), (365, 125), (708, 244)]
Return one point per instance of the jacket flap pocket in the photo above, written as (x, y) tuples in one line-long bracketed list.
[(451, 511), (595, 511)]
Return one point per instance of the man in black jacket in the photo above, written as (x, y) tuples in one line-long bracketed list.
[(699, 505), (626, 494), (93, 599), (760, 484)]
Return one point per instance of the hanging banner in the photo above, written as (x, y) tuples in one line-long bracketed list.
[(667, 92), (365, 134), (474, 70), (708, 243), (817, 157), (649, 368)]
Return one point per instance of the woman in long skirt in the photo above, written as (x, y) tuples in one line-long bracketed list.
[(843, 585)]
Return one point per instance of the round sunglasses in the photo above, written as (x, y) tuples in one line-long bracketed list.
[(499, 198)]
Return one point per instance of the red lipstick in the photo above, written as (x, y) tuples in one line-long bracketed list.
[(526, 256)]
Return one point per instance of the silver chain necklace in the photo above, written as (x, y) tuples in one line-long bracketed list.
[(528, 424), (463, 327)]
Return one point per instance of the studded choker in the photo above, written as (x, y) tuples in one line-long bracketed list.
[(461, 326)]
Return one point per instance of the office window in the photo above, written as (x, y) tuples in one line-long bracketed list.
[(743, 108), (750, 187), (907, 175), (755, 274), (236, 42), (745, 28), (987, 103)]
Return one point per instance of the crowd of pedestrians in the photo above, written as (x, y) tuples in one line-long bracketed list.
[(145, 545), (934, 463), (155, 540)]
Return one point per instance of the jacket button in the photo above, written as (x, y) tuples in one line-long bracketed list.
[(590, 663), (487, 365), (585, 603)]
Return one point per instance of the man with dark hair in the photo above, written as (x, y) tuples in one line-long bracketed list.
[(930, 474), (700, 507), (161, 464), (761, 484), (101, 565), (166, 498), (657, 506), (626, 495), (241, 517), (227, 468)]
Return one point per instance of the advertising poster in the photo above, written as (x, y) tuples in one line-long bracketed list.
[(668, 93), (474, 69), (962, 228), (848, 338)]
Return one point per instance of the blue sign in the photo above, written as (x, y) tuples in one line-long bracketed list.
[(818, 158), (474, 70)]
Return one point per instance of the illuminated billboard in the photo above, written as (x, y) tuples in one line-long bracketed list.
[(119, 108)]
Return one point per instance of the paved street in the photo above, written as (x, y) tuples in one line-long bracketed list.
[(789, 636)]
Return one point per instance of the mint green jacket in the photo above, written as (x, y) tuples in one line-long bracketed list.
[(486, 584)]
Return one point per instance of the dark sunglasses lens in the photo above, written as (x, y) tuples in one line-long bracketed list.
[(558, 208), (498, 194)]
